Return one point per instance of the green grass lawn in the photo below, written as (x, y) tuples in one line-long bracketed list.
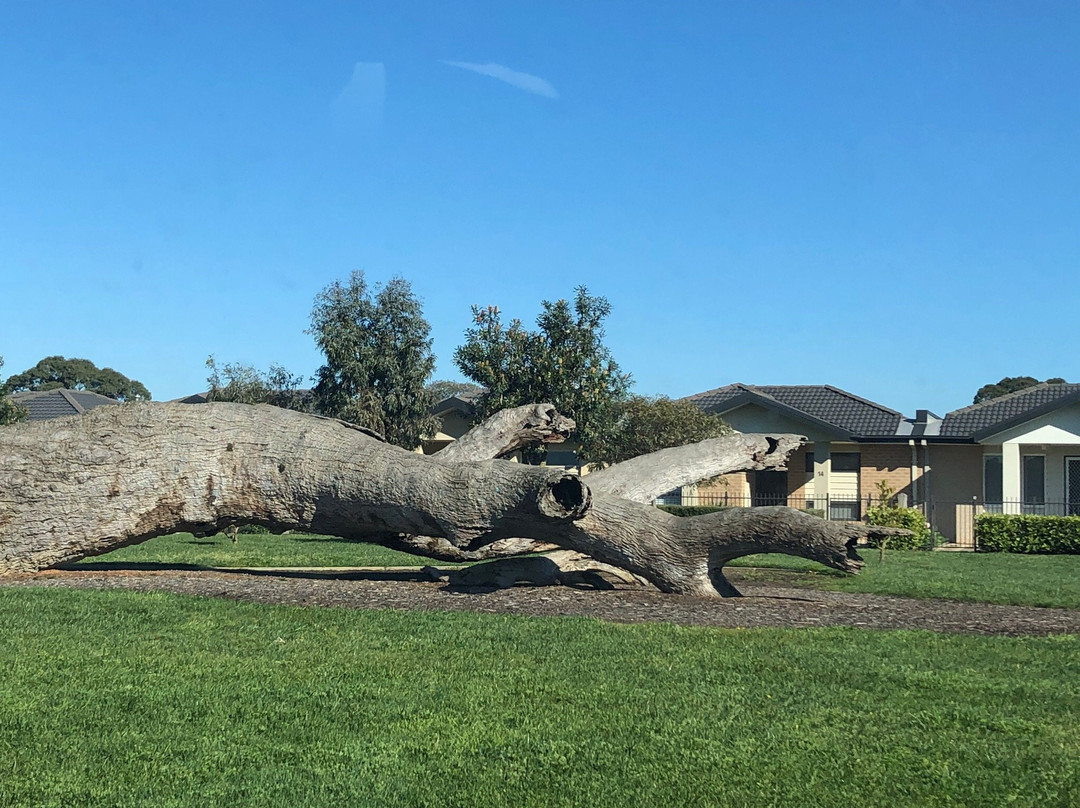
[(260, 550), (1023, 580), (148, 699)]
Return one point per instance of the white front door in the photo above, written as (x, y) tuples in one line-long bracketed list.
[(844, 486)]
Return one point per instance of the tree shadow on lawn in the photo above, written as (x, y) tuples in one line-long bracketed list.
[(385, 574)]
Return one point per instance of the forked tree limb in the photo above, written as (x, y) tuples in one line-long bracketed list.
[(507, 431), (120, 475), (640, 479), (644, 478), (501, 434)]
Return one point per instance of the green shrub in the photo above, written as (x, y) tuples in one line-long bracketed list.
[(1025, 533), (252, 530), (907, 518), (690, 510)]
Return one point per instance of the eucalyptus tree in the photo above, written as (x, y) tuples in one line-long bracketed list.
[(377, 346)]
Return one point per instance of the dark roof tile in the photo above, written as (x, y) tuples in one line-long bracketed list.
[(44, 405), (838, 408), (1001, 413)]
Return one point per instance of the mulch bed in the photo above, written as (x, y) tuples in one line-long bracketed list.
[(766, 604)]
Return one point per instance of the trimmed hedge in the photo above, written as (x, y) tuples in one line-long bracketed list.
[(907, 518), (1026, 533)]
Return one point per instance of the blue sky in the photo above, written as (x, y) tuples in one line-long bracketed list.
[(882, 196)]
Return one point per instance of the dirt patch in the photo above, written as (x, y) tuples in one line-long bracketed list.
[(766, 604)]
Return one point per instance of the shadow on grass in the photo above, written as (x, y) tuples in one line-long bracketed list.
[(310, 574)]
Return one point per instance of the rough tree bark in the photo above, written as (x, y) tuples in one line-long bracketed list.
[(120, 475)]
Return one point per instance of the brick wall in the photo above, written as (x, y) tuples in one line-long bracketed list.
[(800, 483), (890, 462)]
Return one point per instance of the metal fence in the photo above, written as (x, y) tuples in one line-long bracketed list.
[(957, 519), (839, 509)]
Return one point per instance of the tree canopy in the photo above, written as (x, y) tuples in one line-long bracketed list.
[(378, 358), (564, 362), (648, 424), (442, 389), (1010, 384), (9, 412), (55, 372), (243, 384)]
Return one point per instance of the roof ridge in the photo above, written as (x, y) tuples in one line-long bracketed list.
[(757, 391), (862, 400), (1010, 396), (840, 391), (704, 393), (70, 399), (24, 394)]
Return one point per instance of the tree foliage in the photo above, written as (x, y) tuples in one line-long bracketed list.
[(244, 384), (56, 372), (564, 362), (10, 413), (648, 424), (442, 389), (378, 358), (1010, 384)]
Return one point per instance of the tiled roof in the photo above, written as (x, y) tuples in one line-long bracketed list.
[(1001, 413), (832, 406), (45, 404), (194, 398)]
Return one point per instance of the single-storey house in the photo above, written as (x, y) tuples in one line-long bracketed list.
[(1019, 453), (853, 445), (43, 405)]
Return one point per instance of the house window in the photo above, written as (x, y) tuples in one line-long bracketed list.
[(672, 497), (1072, 486), (809, 466), (992, 487), (561, 457), (1034, 483)]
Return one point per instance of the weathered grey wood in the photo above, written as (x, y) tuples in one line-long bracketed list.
[(119, 475), (507, 431), (644, 478), (85, 485)]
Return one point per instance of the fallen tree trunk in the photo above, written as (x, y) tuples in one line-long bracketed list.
[(120, 475)]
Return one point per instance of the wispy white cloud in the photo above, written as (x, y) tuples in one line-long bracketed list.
[(359, 105), (523, 81)]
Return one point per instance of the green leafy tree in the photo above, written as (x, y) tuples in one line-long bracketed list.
[(442, 389), (1010, 384), (378, 358), (650, 424), (244, 384), (10, 413), (564, 362), (55, 372)]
